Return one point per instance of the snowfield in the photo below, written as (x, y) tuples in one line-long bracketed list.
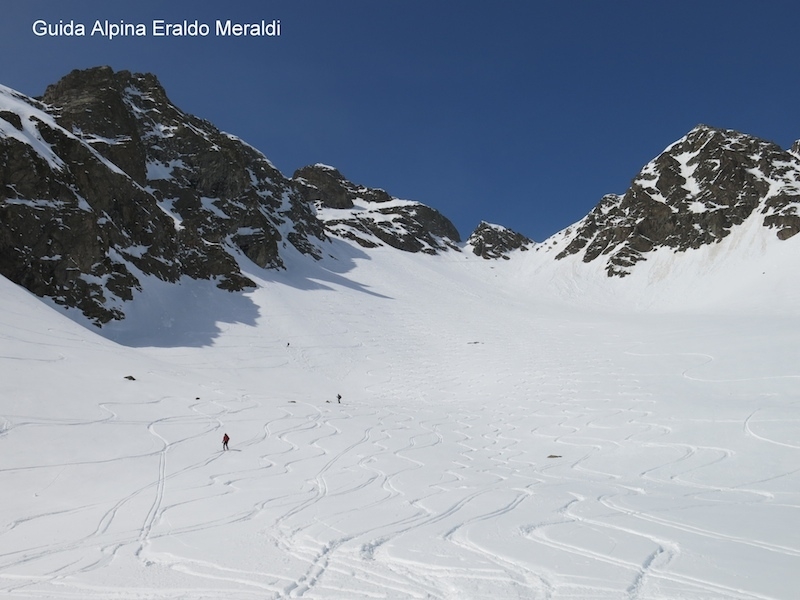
[(507, 429)]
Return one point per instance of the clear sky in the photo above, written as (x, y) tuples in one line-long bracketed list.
[(517, 113)]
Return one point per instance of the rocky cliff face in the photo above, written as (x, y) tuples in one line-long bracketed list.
[(692, 194), (210, 183), (105, 182), (77, 228)]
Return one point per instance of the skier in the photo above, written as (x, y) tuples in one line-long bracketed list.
[(339, 398), (225, 440)]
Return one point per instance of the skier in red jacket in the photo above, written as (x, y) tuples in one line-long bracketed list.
[(225, 440)]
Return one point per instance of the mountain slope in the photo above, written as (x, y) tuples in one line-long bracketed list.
[(693, 194), (115, 202), (106, 183), (489, 444)]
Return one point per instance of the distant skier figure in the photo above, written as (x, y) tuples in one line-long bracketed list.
[(339, 398), (225, 440)]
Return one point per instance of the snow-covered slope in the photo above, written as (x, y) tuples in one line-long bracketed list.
[(491, 442), (610, 414), (749, 271)]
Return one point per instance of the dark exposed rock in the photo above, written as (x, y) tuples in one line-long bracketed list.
[(692, 195), (371, 217), (327, 187), (56, 243), (91, 104), (12, 118), (494, 241), (218, 186)]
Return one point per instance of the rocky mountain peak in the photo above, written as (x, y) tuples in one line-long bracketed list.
[(76, 226), (92, 105), (692, 194), (97, 96), (333, 190), (371, 217), (495, 241)]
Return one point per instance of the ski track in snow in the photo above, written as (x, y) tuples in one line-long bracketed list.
[(492, 473), (594, 462)]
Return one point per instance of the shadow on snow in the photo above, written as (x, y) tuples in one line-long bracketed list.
[(193, 313)]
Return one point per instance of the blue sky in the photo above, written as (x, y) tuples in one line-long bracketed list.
[(518, 113)]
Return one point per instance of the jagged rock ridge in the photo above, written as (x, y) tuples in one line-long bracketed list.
[(371, 217), (104, 181), (691, 195)]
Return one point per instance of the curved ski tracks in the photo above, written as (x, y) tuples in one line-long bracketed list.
[(548, 498)]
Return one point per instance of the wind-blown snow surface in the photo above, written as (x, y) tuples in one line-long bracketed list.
[(493, 441)]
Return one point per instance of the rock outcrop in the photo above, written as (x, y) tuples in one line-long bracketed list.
[(495, 241), (371, 217)]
